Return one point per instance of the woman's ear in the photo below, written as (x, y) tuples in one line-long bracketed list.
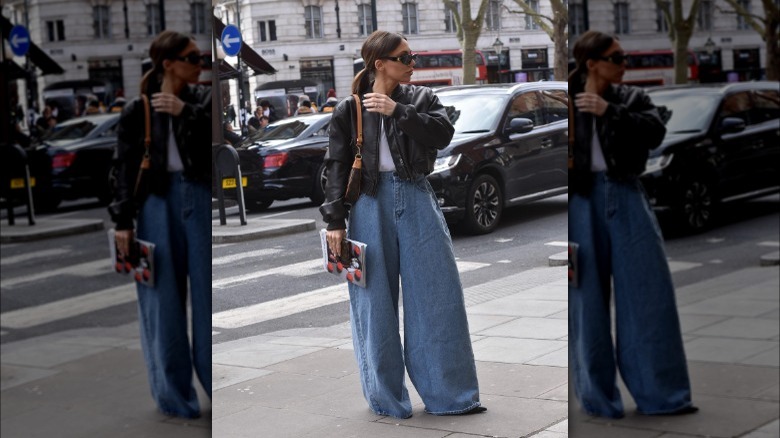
[(166, 64), (589, 64), (377, 64)]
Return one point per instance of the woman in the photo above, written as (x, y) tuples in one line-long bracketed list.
[(398, 218), (619, 241), (175, 216)]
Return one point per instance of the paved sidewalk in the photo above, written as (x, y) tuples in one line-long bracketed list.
[(86, 383), (731, 330), (46, 227), (304, 382)]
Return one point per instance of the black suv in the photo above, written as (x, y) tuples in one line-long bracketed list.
[(722, 144), (510, 147)]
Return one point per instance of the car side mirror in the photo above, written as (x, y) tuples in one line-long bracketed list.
[(731, 125), (520, 125)]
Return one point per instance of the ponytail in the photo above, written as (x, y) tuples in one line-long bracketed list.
[(361, 81)]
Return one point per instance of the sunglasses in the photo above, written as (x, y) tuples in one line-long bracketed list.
[(617, 58), (405, 59), (194, 58)]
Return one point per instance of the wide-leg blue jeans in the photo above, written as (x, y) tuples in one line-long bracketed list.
[(407, 236), (179, 224), (620, 241)]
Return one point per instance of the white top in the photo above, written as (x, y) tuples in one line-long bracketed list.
[(386, 163), (597, 161), (174, 159)]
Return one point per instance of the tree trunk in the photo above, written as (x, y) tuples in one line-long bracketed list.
[(561, 67), (470, 38), (682, 37), (772, 49)]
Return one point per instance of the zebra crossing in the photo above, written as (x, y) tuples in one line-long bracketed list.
[(121, 290)]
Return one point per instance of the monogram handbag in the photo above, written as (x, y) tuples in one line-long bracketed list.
[(142, 185), (353, 183)]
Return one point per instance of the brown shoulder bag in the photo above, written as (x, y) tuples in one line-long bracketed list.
[(142, 181), (353, 184)]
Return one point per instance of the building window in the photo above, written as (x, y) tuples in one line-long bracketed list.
[(621, 18), (365, 19), (55, 30), (313, 17), (660, 21), (576, 18), (153, 23), (198, 18), (705, 15), (493, 15), (742, 23), (409, 14), (271, 30), (449, 19), (101, 21), (530, 24)]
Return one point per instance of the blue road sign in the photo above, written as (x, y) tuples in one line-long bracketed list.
[(20, 40), (231, 40)]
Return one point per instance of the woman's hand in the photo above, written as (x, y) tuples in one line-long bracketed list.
[(334, 238), (379, 103), (123, 240), (591, 103), (167, 103)]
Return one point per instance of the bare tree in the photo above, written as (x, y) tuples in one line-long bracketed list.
[(468, 31), (680, 31), (557, 28), (768, 26)]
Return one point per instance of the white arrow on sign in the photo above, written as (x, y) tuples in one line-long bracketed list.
[(228, 41), (16, 40)]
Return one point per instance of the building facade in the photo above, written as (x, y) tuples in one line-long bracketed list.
[(105, 39), (320, 40), (726, 46)]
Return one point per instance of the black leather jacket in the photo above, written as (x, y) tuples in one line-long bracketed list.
[(192, 131), (417, 129), (628, 130)]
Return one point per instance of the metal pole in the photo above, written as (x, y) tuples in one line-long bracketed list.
[(162, 15), (338, 21), (373, 14), (127, 27), (239, 87)]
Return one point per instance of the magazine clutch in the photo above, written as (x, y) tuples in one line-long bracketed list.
[(351, 267), (140, 263)]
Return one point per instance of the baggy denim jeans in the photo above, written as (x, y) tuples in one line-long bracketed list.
[(179, 224), (620, 241), (407, 236)]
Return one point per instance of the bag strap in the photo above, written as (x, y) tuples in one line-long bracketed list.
[(147, 130), (359, 140)]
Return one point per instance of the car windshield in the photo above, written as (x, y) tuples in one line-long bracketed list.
[(71, 131), (473, 113), (285, 130), (686, 112)]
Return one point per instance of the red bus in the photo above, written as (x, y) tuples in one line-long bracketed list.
[(656, 68), (444, 67)]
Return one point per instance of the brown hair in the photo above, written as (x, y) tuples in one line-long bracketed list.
[(590, 45), (378, 44), (167, 45)]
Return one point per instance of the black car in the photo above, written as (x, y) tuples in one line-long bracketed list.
[(722, 144), (284, 161), (80, 152), (510, 147)]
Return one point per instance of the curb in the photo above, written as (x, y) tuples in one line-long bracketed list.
[(229, 211), (559, 259), (771, 259), (258, 229), (48, 228)]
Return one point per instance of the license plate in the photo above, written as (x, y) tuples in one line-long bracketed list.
[(18, 183), (230, 183)]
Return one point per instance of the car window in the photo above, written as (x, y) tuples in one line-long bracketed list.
[(686, 112), (766, 106), (556, 105), (284, 131), (527, 106), (72, 131), (473, 113), (323, 132), (736, 105), (111, 131)]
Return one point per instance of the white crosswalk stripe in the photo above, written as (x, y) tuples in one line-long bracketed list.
[(52, 252), (69, 307), (87, 269), (224, 260)]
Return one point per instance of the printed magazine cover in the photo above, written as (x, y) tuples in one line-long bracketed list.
[(140, 262), (351, 267)]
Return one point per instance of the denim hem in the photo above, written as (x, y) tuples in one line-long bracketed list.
[(474, 405), (192, 416), (387, 414), (594, 414), (667, 411)]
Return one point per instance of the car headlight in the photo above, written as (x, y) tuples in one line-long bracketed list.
[(660, 162), (445, 163)]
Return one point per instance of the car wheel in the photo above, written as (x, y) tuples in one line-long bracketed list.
[(696, 205), (259, 205), (484, 204), (318, 191)]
